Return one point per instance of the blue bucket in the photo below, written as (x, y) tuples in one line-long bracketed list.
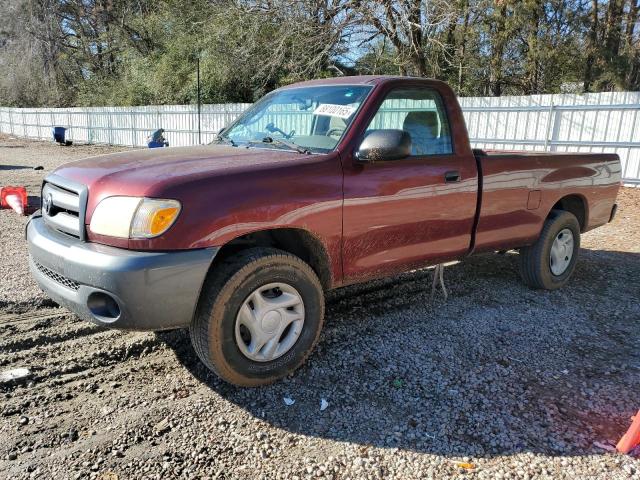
[(59, 134)]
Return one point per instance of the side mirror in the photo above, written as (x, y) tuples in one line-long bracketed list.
[(383, 145)]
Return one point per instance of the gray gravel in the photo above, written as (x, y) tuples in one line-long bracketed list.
[(518, 383)]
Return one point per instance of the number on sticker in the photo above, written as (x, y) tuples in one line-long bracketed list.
[(341, 111)]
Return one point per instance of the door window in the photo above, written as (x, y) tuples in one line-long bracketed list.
[(419, 112)]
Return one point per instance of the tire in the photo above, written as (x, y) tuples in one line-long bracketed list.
[(216, 331), (535, 262)]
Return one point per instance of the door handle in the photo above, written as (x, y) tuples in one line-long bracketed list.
[(452, 176)]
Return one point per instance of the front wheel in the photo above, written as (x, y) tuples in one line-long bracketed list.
[(259, 316), (549, 263)]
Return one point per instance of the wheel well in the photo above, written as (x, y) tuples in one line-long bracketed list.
[(296, 241), (574, 204)]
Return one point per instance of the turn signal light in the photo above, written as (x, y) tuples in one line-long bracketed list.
[(162, 219)]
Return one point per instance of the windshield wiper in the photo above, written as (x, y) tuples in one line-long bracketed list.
[(277, 141), (224, 140)]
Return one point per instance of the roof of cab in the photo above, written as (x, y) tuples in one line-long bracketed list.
[(354, 80)]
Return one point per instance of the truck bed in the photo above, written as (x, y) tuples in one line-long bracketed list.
[(519, 188)]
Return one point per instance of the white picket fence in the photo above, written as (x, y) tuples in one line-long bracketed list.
[(601, 122), (596, 122), (121, 125)]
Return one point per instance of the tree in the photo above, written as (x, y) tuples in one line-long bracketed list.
[(126, 52), (413, 27)]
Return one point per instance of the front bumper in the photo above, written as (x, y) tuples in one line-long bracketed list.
[(114, 287)]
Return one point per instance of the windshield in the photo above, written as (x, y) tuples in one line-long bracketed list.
[(311, 119)]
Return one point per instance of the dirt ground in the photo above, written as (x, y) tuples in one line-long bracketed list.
[(499, 381)]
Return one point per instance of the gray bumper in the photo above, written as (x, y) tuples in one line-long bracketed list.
[(115, 287)]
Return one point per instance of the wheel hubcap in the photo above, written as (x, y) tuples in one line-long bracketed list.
[(269, 322), (561, 252)]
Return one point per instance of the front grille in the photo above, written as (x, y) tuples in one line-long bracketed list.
[(62, 207), (56, 277)]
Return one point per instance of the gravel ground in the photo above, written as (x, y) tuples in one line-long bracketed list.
[(514, 383)]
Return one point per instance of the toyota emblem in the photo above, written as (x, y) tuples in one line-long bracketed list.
[(47, 203)]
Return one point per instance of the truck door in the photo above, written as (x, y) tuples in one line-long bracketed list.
[(417, 211)]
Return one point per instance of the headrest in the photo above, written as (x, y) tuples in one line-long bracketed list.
[(421, 119)]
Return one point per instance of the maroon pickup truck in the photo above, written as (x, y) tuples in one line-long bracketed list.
[(318, 185)]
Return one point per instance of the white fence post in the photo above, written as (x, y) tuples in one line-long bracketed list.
[(555, 131), (550, 126), (133, 128), (89, 133), (110, 125)]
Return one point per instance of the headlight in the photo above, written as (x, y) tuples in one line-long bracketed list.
[(134, 217)]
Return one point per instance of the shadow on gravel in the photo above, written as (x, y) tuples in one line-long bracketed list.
[(496, 370), (16, 308), (14, 167)]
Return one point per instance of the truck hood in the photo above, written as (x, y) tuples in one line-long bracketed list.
[(141, 172)]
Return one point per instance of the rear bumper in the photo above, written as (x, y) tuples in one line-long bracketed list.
[(115, 287)]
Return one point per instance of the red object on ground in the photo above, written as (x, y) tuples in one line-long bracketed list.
[(14, 197), (21, 192), (631, 439)]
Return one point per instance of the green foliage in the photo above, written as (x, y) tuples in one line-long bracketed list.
[(121, 52)]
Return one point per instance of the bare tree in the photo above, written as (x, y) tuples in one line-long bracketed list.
[(302, 37), (411, 26)]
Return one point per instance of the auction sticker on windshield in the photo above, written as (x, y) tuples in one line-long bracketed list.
[(342, 111)]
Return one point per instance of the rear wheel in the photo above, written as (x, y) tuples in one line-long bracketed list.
[(550, 262), (259, 316)]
